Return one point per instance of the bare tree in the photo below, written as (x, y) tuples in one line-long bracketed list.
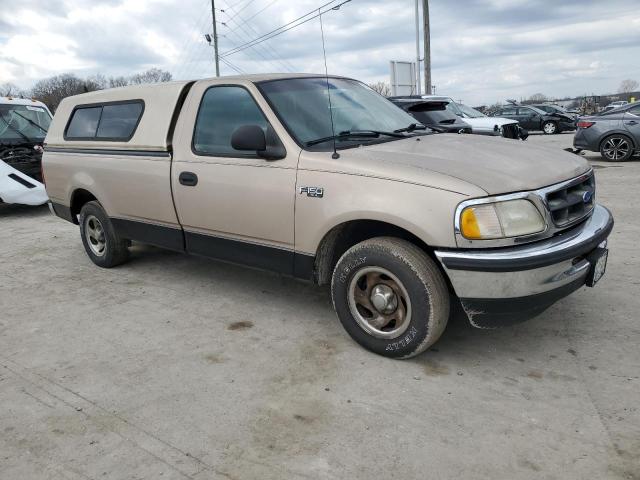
[(382, 88), (53, 90), (153, 75), (538, 97), (10, 90), (118, 82), (628, 86)]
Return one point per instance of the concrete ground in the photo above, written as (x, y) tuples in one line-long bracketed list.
[(174, 367)]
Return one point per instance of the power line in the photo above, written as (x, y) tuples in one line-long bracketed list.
[(268, 49), (252, 16), (245, 6), (286, 27), (254, 50), (231, 65)]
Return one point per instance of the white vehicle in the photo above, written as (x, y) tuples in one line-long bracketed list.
[(480, 123), (617, 104), (16, 187), (23, 126)]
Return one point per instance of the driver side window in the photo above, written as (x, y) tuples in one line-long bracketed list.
[(222, 110)]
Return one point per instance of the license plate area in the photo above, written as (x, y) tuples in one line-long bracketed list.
[(598, 260)]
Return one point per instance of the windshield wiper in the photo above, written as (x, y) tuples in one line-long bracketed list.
[(410, 128), (15, 129), (37, 125), (355, 134)]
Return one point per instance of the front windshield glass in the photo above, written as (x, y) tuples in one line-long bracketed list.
[(302, 104), (23, 123), (470, 112)]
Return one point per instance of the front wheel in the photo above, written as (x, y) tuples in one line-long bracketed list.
[(616, 148), (549, 128), (390, 297)]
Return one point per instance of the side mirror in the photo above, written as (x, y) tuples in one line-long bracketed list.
[(253, 138), (249, 138)]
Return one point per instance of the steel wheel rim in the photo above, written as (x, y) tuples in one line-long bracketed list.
[(371, 286), (549, 128), (94, 232), (616, 148)]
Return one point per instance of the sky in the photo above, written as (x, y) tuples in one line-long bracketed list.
[(482, 51)]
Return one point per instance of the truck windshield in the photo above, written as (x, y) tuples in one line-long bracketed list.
[(302, 104), (23, 123)]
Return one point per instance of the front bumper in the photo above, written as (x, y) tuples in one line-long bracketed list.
[(508, 285)]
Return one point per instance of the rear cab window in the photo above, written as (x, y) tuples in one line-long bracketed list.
[(107, 122)]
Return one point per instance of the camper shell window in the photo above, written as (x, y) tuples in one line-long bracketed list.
[(111, 121)]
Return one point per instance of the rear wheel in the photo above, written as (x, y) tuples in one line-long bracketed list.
[(616, 148), (390, 297), (101, 242), (549, 128)]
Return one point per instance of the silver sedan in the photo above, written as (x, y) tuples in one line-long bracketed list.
[(615, 133)]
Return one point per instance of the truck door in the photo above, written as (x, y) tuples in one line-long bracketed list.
[(233, 205)]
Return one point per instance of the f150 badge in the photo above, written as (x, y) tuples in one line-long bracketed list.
[(316, 192)]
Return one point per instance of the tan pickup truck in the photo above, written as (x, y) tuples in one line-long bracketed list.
[(325, 180)]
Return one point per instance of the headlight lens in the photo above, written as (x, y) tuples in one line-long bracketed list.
[(511, 218)]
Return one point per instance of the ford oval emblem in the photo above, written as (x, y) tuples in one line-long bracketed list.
[(587, 196)]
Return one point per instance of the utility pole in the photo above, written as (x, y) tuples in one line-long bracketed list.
[(427, 47), (215, 36), (418, 49)]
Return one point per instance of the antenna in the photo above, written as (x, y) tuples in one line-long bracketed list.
[(335, 155)]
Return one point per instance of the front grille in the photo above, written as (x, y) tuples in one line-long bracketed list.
[(572, 203), (510, 130)]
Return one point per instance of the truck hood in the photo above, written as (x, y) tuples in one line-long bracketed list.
[(494, 164)]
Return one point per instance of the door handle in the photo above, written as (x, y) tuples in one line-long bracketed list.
[(631, 122), (188, 179)]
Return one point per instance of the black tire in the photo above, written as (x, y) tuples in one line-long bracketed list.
[(612, 148), (427, 312), (105, 248), (550, 128)]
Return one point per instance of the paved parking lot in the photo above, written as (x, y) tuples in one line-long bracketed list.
[(178, 367)]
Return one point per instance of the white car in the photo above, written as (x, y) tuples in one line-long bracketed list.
[(23, 127), (16, 187), (617, 104), (482, 124)]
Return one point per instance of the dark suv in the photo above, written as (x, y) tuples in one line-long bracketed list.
[(533, 118)]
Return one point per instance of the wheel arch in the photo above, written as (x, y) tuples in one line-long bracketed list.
[(79, 198), (345, 235)]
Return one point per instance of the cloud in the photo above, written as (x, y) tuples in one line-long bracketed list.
[(482, 50)]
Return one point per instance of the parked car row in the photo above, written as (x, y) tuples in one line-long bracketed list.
[(442, 114)]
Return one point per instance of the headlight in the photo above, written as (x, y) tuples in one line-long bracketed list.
[(510, 218)]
